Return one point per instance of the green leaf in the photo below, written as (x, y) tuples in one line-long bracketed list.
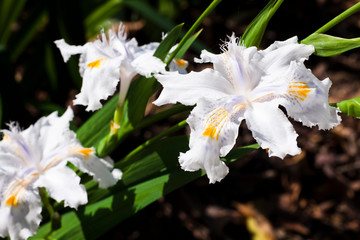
[(350, 107), (256, 29), (190, 32), (326, 45), (99, 18), (9, 12), (148, 175), (187, 45), (28, 29), (150, 13), (169, 41), (98, 126)]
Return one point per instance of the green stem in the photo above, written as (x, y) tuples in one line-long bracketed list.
[(207, 11), (118, 113), (54, 216), (342, 16), (167, 132)]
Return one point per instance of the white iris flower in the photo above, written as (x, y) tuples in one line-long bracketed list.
[(37, 157), (248, 84), (105, 62)]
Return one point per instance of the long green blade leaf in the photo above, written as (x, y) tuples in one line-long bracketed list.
[(98, 126), (9, 12), (187, 45), (99, 18), (169, 41), (150, 13), (256, 29)]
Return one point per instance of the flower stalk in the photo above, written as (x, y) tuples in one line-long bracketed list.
[(54, 216), (342, 16)]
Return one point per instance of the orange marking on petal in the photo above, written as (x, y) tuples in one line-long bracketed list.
[(299, 90), (215, 123), (85, 151), (181, 63), (95, 64), (12, 201), (16, 192)]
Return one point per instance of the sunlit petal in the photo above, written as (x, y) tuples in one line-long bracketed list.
[(214, 131), (21, 221), (87, 162), (271, 129), (307, 99), (189, 88)]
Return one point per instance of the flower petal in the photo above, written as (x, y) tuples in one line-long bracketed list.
[(100, 79), (204, 156), (49, 136), (214, 131), (279, 55), (271, 129), (238, 64), (146, 64), (96, 167), (62, 183), (188, 88), (21, 221), (307, 99), (68, 50)]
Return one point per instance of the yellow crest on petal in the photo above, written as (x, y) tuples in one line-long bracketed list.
[(16, 192), (95, 64), (298, 90), (12, 201), (216, 121), (181, 63), (85, 151)]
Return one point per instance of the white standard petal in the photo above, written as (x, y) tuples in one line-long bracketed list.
[(62, 183), (21, 221), (279, 55), (214, 131), (271, 129), (306, 99), (238, 64), (100, 169), (49, 134), (100, 79), (189, 88)]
